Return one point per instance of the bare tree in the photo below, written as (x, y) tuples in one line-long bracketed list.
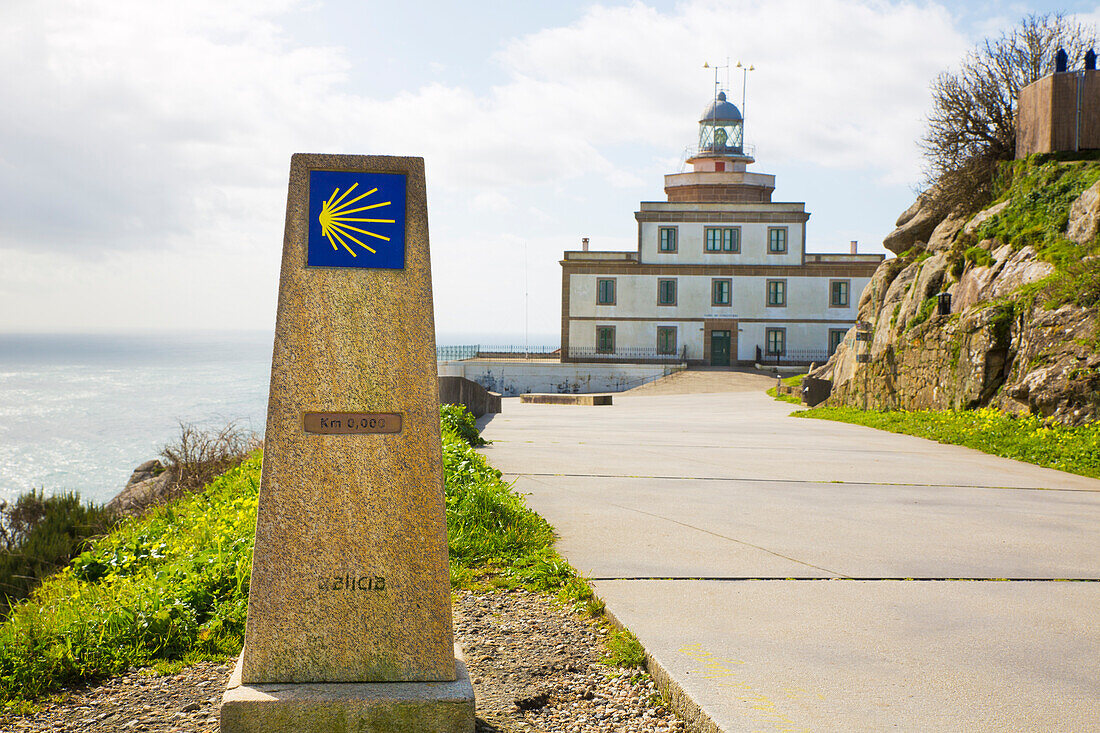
[(972, 125)]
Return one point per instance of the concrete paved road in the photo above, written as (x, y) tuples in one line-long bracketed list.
[(803, 575)]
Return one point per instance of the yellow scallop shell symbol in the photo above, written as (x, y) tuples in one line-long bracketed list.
[(335, 217)]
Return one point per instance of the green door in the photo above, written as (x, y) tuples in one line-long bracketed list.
[(720, 348)]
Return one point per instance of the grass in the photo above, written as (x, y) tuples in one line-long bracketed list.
[(623, 649), (171, 587), (1026, 438), (795, 381)]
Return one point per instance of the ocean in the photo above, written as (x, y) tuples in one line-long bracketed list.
[(80, 412)]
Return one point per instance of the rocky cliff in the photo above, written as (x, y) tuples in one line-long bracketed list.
[(1024, 280)]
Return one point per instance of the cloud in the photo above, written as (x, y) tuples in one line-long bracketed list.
[(132, 126)]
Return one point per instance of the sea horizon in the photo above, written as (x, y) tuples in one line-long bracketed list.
[(79, 411)]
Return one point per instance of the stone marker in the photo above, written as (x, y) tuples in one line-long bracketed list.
[(349, 611)]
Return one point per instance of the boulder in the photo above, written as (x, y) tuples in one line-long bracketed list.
[(928, 281), (1056, 375), (1084, 215), (1020, 268), (943, 236), (886, 320), (150, 483), (916, 224), (983, 216), (1010, 270), (870, 301)]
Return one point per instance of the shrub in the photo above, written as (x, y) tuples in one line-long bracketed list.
[(457, 419), (923, 313), (200, 456), (39, 535), (978, 256)]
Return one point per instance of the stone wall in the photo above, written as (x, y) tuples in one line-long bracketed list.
[(461, 391), (944, 363)]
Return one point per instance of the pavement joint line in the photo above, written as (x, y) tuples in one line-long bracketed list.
[(742, 578), (720, 536), (731, 539), (804, 481)]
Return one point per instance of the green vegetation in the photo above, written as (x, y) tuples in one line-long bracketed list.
[(459, 421), (1026, 438), (923, 313), (39, 535), (1040, 192), (623, 649), (978, 256), (795, 381), (170, 587), (494, 538)]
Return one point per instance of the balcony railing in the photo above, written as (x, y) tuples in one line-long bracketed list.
[(648, 355), (792, 356), (691, 151)]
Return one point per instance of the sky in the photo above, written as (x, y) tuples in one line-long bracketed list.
[(145, 147)]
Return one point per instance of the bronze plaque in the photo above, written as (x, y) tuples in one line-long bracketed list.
[(352, 423)]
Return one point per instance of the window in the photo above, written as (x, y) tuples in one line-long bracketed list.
[(605, 339), (666, 292), (666, 339), (667, 239), (836, 335), (722, 239), (777, 292), (777, 240), (838, 293), (777, 341), (720, 291), (605, 292)]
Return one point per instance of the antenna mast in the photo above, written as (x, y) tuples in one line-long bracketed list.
[(744, 84)]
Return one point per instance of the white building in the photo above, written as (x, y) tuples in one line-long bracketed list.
[(720, 276)]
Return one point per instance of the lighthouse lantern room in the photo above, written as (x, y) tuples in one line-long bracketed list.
[(721, 129)]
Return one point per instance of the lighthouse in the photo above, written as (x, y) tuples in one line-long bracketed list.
[(720, 277)]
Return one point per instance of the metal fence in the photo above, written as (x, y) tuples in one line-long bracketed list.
[(511, 351), (514, 351), (590, 353), (792, 356), (455, 353)]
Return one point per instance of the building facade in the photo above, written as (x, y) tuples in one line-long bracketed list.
[(720, 276)]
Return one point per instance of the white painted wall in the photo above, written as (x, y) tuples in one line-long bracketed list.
[(691, 245), (640, 334), (636, 297)]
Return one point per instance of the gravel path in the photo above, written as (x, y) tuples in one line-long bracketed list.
[(534, 666)]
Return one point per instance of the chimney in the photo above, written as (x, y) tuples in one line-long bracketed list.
[(855, 246), (584, 244), (1061, 61), (1090, 60)]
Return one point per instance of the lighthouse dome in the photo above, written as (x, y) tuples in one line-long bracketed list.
[(721, 111)]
